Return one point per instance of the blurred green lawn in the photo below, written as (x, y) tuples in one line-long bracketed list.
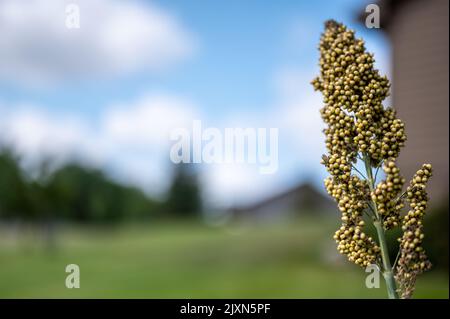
[(293, 260)]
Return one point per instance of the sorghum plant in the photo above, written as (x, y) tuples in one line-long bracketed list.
[(361, 130)]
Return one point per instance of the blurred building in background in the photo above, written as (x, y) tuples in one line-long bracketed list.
[(419, 34), (300, 200)]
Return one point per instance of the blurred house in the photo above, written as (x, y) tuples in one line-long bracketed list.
[(303, 199), (419, 34)]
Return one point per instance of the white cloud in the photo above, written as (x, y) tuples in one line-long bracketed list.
[(135, 135), (298, 113), (236, 184), (36, 133), (147, 121), (130, 140), (115, 38)]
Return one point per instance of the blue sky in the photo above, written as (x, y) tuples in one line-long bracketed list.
[(245, 63)]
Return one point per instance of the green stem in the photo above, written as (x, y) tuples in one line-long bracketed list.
[(378, 223), (387, 269)]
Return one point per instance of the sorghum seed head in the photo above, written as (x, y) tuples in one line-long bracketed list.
[(358, 123)]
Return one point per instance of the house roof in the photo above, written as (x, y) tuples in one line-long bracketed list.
[(305, 188)]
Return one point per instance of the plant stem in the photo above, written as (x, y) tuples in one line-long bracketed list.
[(387, 269), (378, 223)]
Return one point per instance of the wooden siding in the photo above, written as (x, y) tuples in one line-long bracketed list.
[(419, 32)]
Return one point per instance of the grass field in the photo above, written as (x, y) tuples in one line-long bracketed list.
[(192, 261)]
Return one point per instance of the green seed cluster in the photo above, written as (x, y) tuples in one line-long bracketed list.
[(413, 260), (353, 92), (350, 197), (350, 238), (354, 243), (357, 122), (385, 195), (360, 127)]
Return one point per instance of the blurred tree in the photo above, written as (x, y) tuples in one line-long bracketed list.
[(86, 195), (14, 190), (184, 199), (77, 193), (72, 192)]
